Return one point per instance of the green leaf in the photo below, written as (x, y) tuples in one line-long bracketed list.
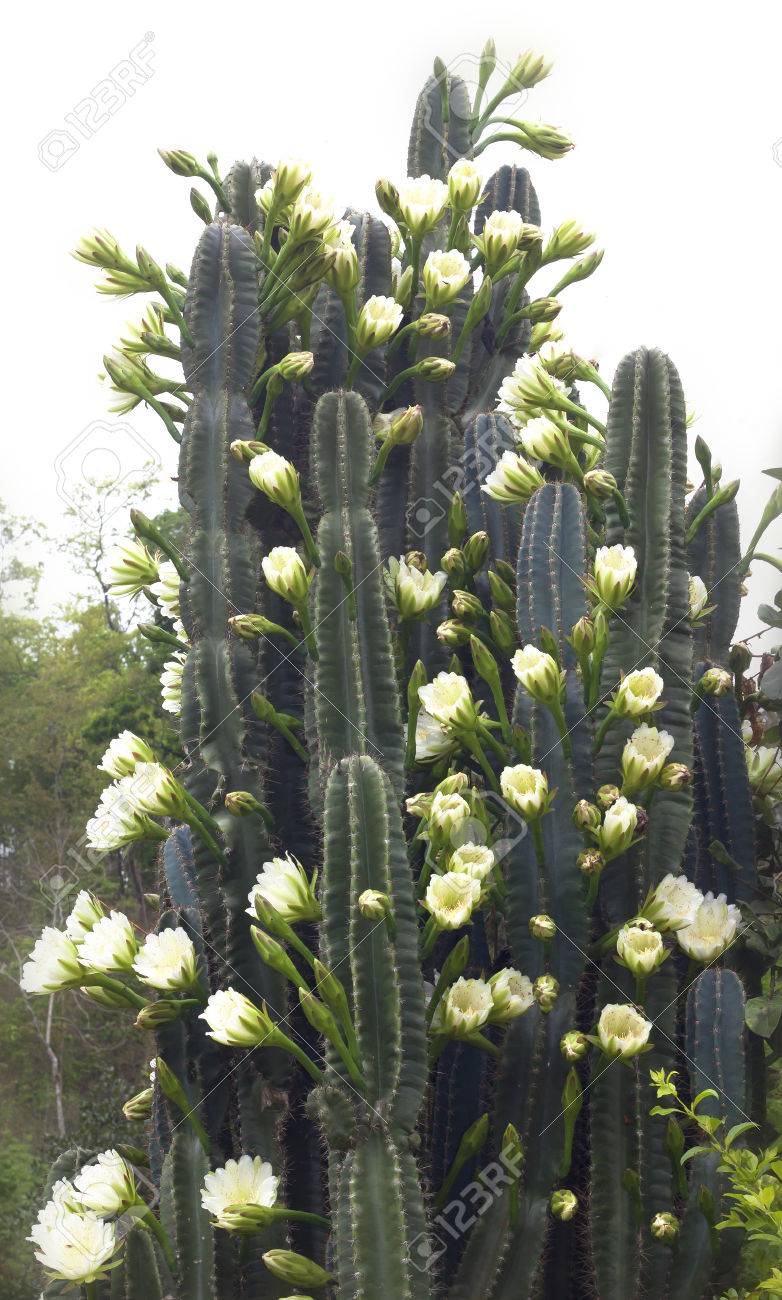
[(694, 1151), (762, 1014)]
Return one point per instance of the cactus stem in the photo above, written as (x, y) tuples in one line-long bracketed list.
[(537, 839)]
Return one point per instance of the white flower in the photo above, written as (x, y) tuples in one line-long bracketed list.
[(171, 683), (764, 768), (379, 318), (313, 212), (712, 929), (233, 1020), (448, 812), (568, 240), (464, 185), (432, 741), (544, 440), (124, 752), (167, 588), (167, 960), (344, 274), (71, 1245), (86, 911), (673, 903), (421, 201), (277, 477), (451, 899), (131, 568), (283, 883), (697, 595), (622, 1030), (246, 1181), (449, 700), (283, 569), (290, 177), (110, 944), (53, 964), (538, 673), (107, 1185), (117, 821), (154, 790), (512, 479), (640, 947), (466, 1006), (445, 275), (474, 860), (512, 995), (499, 238), (644, 757), (526, 790), (618, 830), (614, 574), (416, 592), (527, 389), (637, 693)]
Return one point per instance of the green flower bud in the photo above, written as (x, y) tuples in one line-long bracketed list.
[(200, 206), (246, 449), (675, 776), (475, 550), (162, 1012), (542, 927), (387, 196), (664, 1226), (543, 309), (432, 325), (241, 803), (417, 560), (467, 606), (590, 862), (715, 681), (453, 564), (563, 1204), (457, 520), (574, 1045), (296, 365), (374, 905), (296, 1269), (608, 795), (503, 596), (600, 483), (582, 636), (452, 633), (546, 991), (138, 1108), (740, 658), (503, 630), (435, 369), (586, 815)]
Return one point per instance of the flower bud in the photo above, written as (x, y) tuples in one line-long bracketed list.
[(180, 162), (590, 862), (374, 905), (464, 185), (448, 811), (277, 478), (582, 636), (503, 630), (502, 595), (600, 483), (475, 550), (563, 1204), (453, 564), (452, 633), (664, 1226), (296, 365), (402, 286), (675, 776), (543, 309), (417, 560), (546, 991), (139, 1108), (574, 1045), (715, 681), (404, 427), (587, 816), (246, 449), (697, 595), (621, 823), (538, 673), (291, 1267), (387, 196), (431, 325), (740, 658), (240, 803), (379, 318), (542, 927), (513, 479), (435, 369), (290, 177), (568, 240), (467, 606), (608, 795), (284, 571), (162, 1012), (542, 439)]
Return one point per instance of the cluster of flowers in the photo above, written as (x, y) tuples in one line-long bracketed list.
[(704, 926), (133, 569), (77, 1236)]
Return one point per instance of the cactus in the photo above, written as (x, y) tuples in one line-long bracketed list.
[(444, 830)]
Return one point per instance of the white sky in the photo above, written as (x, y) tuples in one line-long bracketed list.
[(675, 109)]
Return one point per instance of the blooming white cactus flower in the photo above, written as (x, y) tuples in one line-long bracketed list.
[(52, 965), (131, 568), (154, 790), (614, 573), (84, 914), (167, 960), (73, 1245), (110, 944), (117, 820), (449, 700), (526, 790), (644, 757), (171, 683), (445, 274), (246, 1181), (673, 903), (283, 569), (697, 595), (284, 884), (464, 185), (344, 274), (538, 673), (512, 479), (622, 1031), (512, 995), (276, 477), (107, 1185), (447, 813), (476, 861), (416, 592), (379, 318), (712, 929), (124, 752), (451, 899), (640, 947), (637, 693), (421, 202), (289, 178), (529, 388), (764, 768), (233, 1020), (568, 240), (312, 213), (542, 439), (466, 1006), (499, 238), (167, 589), (432, 741), (618, 829)]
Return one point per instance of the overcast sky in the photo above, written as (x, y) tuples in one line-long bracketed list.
[(677, 117)]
